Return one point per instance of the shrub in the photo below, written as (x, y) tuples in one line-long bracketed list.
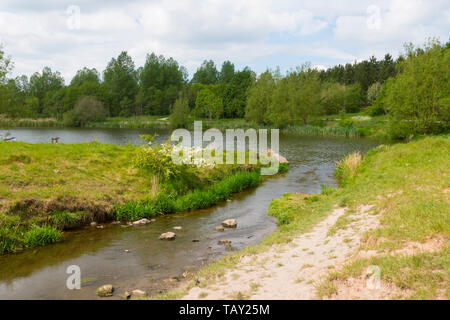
[(87, 109), (180, 113), (346, 123)]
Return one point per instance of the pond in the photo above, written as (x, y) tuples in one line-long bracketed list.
[(133, 257)]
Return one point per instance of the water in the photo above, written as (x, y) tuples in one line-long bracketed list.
[(153, 265)]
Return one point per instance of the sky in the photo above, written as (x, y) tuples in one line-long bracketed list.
[(67, 35)]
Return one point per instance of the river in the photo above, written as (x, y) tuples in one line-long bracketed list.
[(133, 257)]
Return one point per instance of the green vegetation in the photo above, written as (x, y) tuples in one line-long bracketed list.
[(408, 186), (198, 199), (46, 188), (411, 94)]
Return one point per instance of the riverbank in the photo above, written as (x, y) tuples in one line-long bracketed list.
[(388, 221), (341, 125), (48, 188)]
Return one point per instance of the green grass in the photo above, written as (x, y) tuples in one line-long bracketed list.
[(39, 236), (197, 199), (67, 186), (408, 186), (137, 122)]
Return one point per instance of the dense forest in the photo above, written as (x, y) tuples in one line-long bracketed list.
[(414, 87)]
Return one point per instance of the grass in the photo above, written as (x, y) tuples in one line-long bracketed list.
[(407, 184), (198, 199), (346, 168), (65, 186)]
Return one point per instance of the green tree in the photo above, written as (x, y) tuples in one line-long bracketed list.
[(41, 83), (5, 65), (120, 81), (161, 80), (259, 98), (373, 92), (354, 98), (333, 98), (418, 98), (206, 74), (85, 75), (227, 72), (208, 104), (296, 98), (234, 93), (180, 112)]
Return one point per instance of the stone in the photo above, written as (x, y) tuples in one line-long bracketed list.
[(141, 222), (138, 293), (226, 242), (167, 236), (127, 295), (93, 224), (153, 220), (221, 229), (100, 227), (195, 240), (105, 290), (177, 228), (230, 223), (115, 222)]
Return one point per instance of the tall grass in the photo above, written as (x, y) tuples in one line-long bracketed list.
[(39, 236), (198, 199), (30, 123), (346, 168), (309, 130)]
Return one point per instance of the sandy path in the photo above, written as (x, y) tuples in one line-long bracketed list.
[(291, 271)]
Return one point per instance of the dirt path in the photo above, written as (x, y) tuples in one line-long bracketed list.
[(292, 271)]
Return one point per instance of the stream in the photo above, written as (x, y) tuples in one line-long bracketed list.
[(133, 257)]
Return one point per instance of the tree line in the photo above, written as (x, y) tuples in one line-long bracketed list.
[(162, 87)]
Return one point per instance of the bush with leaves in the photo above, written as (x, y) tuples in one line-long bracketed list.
[(87, 109)]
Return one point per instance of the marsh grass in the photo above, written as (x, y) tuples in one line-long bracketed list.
[(39, 236), (347, 167), (198, 199)]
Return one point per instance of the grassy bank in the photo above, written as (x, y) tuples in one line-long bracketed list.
[(408, 186), (48, 188)]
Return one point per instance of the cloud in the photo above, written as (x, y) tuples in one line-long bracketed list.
[(258, 33)]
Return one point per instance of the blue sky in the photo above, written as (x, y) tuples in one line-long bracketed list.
[(256, 33)]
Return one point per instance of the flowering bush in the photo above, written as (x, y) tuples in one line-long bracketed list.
[(158, 159)]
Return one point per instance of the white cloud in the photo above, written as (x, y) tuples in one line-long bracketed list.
[(258, 33)]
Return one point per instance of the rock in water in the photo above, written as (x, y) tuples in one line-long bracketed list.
[(138, 293), (177, 228), (167, 236), (225, 242), (220, 229), (230, 223), (105, 291), (140, 222), (93, 224)]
